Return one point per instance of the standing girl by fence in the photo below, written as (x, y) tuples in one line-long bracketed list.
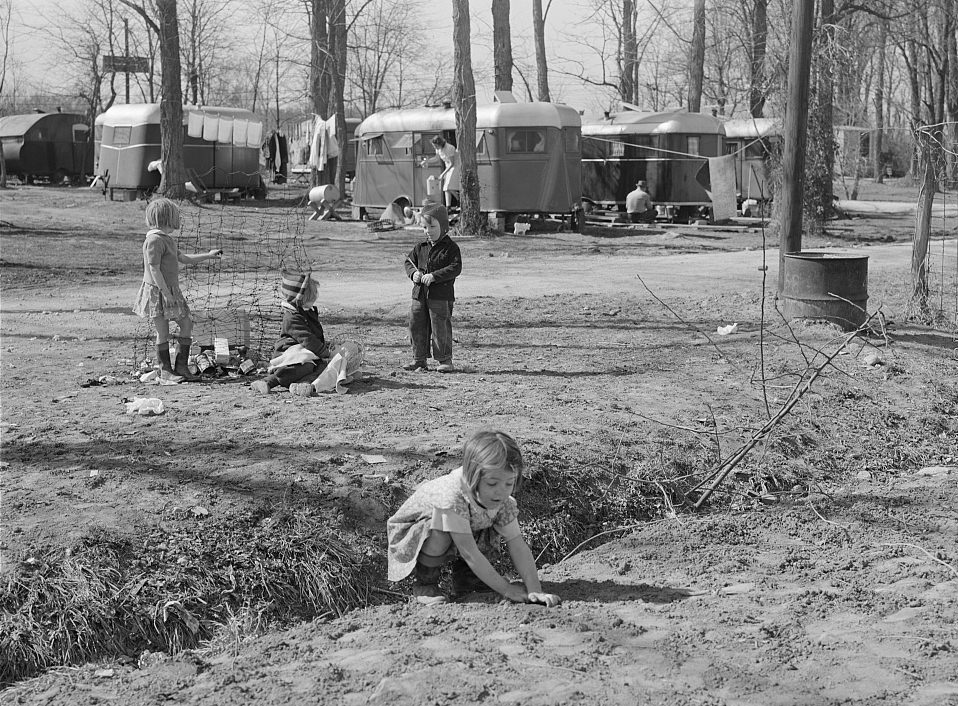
[(160, 298)]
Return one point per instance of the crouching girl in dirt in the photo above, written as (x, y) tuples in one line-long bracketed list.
[(445, 516), (160, 297)]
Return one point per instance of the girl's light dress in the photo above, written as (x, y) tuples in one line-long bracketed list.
[(446, 504), (159, 250)]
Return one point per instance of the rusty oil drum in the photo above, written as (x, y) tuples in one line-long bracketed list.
[(826, 286)]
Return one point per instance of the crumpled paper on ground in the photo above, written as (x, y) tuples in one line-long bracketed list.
[(145, 406)]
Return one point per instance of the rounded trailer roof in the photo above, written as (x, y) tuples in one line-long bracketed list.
[(752, 127), (149, 113), (17, 125), (538, 114), (632, 122)]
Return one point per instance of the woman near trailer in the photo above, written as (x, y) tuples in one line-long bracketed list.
[(448, 155)]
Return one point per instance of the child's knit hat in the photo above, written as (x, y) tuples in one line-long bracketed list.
[(294, 285), (437, 211)]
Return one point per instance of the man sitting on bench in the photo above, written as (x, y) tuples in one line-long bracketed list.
[(638, 204)]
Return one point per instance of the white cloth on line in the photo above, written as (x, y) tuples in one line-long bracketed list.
[(225, 131)]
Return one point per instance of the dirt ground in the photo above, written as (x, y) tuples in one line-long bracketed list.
[(823, 571)]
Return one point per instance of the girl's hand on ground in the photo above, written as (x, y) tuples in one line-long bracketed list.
[(549, 600)]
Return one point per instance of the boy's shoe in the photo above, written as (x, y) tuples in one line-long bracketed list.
[(465, 581), (446, 367), (260, 386), (416, 365), (428, 593), (302, 389)]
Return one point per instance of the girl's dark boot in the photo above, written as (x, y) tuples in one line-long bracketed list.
[(426, 584), (464, 580), (182, 367), (166, 367)]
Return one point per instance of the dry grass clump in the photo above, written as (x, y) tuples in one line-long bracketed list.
[(173, 588), (563, 504)]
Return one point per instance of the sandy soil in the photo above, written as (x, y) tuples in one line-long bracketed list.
[(825, 571)]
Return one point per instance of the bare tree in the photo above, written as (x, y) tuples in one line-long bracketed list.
[(502, 44), (697, 57), (173, 180), (629, 61), (384, 47), (206, 27), (464, 92), (539, 30), (758, 45)]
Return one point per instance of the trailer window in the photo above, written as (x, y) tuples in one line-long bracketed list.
[(375, 145), (571, 140), (593, 148), (424, 146), (616, 148), (403, 142), (480, 142), (525, 141), (121, 134), (693, 145)]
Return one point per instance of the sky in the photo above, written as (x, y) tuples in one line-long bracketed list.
[(31, 50)]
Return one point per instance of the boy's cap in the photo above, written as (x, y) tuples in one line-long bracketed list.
[(437, 211), (294, 284)]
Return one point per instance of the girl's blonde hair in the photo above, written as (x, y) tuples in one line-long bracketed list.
[(162, 213), (489, 450)]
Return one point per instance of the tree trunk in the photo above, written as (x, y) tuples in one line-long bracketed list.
[(826, 98), (759, 40), (320, 86), (542, 66), (337, 65), (918, 305), (173, 179), (629, 53), (502, 44), (464, 93), (951, 52), (878, 136), (697, 57)]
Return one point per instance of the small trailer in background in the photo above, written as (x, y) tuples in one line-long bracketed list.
[(221, 149), (665, 149), (528, 158), (47, 146), (752, 142)]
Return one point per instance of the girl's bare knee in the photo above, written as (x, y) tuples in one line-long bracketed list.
[(437, 543)]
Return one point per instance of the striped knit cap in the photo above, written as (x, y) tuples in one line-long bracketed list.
[(294, 284)]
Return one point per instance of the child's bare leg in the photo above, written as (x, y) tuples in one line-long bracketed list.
[(162, 327)]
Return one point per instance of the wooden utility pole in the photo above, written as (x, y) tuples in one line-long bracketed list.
[(796, 132)]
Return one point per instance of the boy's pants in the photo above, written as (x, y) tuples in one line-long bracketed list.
[(431, 318)]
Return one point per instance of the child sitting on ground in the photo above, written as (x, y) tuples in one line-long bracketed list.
[(445, 516), (301, 348)]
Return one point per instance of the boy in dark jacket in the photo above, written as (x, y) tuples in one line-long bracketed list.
[(300, 326), (433, 266)]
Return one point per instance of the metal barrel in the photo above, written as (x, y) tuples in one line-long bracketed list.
[(826, 286)]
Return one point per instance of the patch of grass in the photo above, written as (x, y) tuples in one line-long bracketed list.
[(171, 589), (563, 504)]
